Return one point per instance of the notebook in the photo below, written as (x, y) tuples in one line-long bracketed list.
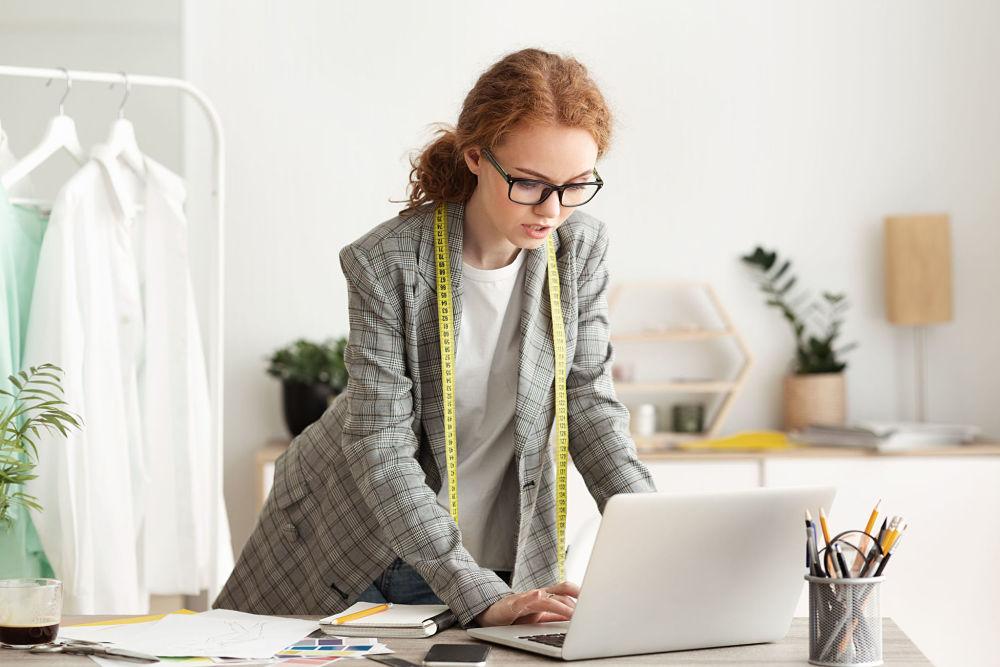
[(888, 436), (399, 620)]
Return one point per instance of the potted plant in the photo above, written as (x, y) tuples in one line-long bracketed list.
[(312, 375), (815, 391), (34, 404)]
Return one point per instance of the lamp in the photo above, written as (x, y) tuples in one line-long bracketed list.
[(918, 285)]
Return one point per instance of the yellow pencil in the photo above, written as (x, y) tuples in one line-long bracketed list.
[(893, 533), (864, 541), (826, 528), (361, 614)]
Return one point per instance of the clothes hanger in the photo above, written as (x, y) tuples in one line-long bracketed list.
[(60, 135), (121, 140)]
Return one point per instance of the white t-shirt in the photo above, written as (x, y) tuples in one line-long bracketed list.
[(486, 372)]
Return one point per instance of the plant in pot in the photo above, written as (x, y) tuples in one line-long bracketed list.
[(31, 405), (312, 375), (815, 390), (35, 404)]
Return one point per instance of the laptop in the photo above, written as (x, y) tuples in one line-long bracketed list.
[(671, 572)]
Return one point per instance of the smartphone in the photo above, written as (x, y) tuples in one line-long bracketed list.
[(457, 655), (391, 660)]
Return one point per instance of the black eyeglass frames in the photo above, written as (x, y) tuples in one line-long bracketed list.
[(531, 192)]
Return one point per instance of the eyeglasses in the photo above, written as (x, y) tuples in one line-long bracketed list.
[(531, 192)]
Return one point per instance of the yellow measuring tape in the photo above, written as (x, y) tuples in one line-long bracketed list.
[(446, 330)]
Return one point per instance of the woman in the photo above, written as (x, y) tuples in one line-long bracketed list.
[(360, 508)]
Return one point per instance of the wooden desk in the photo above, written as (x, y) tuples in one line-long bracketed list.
[(897, 650)]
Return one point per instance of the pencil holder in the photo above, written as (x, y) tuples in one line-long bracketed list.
[(845, 621)]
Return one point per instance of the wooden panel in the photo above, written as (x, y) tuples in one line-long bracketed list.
[(918, 269)]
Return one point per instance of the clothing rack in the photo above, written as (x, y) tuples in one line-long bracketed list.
[(218, 196)]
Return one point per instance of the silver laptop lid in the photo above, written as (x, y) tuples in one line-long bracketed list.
[(671, 572)]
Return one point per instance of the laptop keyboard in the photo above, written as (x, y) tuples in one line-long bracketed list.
[(555, 639)]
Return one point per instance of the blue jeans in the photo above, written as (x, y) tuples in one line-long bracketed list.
[(401, 584)]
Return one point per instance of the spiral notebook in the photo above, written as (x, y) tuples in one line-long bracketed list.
[(399, 620)]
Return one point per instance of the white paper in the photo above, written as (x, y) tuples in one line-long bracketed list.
[(216, 633), (220, 632), (103, 633)]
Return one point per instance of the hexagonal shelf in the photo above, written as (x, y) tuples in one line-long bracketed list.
[(658, 332)]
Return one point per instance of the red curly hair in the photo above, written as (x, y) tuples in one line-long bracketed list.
[(528, 86)]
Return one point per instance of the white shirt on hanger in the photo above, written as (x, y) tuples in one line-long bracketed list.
[(23, 188), (127, 497)]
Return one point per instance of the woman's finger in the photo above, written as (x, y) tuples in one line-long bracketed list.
[(565, 599), (541, 617), (539, 601), (527, 619), (564, 588)]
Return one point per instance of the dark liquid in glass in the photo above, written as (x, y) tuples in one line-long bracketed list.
[(20, 635)]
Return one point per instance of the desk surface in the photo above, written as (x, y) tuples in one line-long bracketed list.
[(275, 448), (897, 650)]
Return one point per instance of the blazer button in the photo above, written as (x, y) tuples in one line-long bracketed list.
[(290, 531)]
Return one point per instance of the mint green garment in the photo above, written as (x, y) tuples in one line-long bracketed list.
[(21, 232)]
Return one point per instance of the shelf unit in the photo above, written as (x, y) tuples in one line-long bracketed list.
[(729, 388)]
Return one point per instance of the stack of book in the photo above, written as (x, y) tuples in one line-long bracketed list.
[(887, 436)]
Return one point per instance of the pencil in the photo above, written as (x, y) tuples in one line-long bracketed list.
[(361, 614), (859, 559), (824, 526), (893, 533)]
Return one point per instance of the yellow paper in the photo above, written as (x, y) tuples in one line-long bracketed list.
[(746, 441), (132, 619)]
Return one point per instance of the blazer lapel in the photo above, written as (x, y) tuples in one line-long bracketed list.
[(430, 341), (536, 369)]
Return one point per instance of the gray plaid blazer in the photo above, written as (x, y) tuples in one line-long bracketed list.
[(359, 486)]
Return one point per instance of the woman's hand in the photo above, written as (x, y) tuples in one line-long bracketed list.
[(554, 603)]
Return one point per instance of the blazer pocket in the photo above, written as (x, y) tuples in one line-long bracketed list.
[(296, 505), (290, 483)]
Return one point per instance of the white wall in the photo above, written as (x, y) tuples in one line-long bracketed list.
[(798, 125), (107, 35)]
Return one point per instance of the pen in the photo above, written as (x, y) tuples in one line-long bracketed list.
[(892, 550), (876, 548), (881, 566), (809, 560), (876, 565), (812, 556), (881, 531), (361, 614), (841, 561), (859, 560)]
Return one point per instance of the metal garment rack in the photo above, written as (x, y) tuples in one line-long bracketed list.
[(218, 195)]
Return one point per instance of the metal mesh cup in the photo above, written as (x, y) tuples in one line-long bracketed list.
[(845, 622)]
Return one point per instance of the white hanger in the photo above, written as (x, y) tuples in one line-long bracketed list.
[(121, 141), (60, 135)]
